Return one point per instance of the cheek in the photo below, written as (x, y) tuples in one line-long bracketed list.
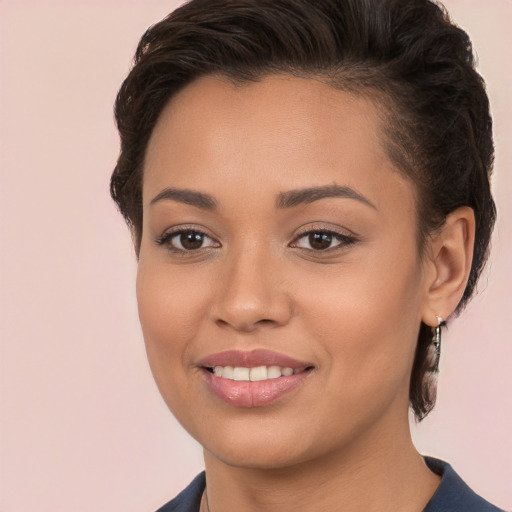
[(170, 299), (171, 307), (366, 317)]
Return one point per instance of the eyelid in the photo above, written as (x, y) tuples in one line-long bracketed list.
[(165, 238), (345, 238)]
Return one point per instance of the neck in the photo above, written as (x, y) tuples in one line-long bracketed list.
[(380, 472)]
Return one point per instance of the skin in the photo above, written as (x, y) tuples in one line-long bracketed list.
[(341, 440)]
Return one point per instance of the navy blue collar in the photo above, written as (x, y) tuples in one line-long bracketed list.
[(453, 494)]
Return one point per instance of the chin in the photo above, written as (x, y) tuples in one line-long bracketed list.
[(269, 445), (252, 441), (258, 455)]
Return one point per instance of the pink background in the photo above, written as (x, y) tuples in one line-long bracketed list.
[(82, 425)]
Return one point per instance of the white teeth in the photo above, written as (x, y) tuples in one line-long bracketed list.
[(274, 372), (240, 373), (226, 372), (258, 373)]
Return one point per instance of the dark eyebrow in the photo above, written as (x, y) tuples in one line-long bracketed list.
[(309, 195), (186, 196), (284, 199)]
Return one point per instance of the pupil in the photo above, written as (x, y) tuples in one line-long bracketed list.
[(191, 240), (320, 240)]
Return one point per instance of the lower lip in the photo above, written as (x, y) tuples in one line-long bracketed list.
[(253, 394)]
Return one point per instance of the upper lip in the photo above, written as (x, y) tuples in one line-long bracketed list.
[(251, 359)]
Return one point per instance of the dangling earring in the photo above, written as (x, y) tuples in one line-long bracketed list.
[(437, 342)]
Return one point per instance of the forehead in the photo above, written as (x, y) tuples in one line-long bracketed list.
[(283, 131)]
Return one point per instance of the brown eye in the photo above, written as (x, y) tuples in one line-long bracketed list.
[(323, 240), (320, 241), (186, 240), (190, 240)]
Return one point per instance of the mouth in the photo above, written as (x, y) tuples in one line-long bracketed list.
[(253, 379), (256, 373)]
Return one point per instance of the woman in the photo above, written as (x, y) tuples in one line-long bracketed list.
[(307, 184)]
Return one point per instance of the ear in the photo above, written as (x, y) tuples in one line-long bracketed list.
[(449, 259)]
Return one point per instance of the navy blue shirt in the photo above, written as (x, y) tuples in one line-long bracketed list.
[(452, 495)]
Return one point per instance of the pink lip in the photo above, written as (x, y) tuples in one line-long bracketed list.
[(250, 359), (253, 394)]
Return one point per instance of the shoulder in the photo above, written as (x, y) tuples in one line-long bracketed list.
[(189, 499), (453, 494)]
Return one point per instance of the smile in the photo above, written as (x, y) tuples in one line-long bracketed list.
[(253, 379), (258, 373)]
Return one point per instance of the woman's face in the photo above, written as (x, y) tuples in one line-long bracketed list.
[(277, 235)]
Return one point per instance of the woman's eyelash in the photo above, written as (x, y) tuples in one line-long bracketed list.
[(189, 239), (321, 240), (192, 240)]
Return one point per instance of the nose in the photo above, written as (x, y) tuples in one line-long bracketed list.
[(251, 293)]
